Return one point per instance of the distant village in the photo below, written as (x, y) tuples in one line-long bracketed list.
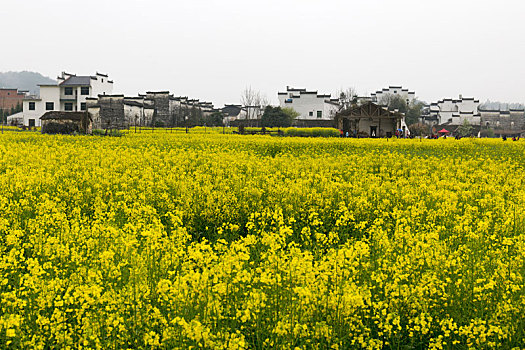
[(88, 102)]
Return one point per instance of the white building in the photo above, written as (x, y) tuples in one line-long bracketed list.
[(309, 104), (380, 95), (68, 94), (455, 112)]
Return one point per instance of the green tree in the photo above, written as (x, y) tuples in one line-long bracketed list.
[(411, 109), (465, 129), (392, 101), (487, 133), (292, 113), (275, 117), (419, 129), (214, 119), (195, 117), (414, 111)]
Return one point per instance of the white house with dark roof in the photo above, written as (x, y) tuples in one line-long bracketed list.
[(68, 94), (405, 94), (454, 111), (309, 104)]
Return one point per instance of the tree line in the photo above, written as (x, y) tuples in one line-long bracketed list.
[(6, 112)]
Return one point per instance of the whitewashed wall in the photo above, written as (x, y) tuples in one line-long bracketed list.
[(394, 90), (133, 114), (99, 86), (307, 104), (47, 94), (457, 111)]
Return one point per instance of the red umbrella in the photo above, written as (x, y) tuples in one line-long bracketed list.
[(443, 131)]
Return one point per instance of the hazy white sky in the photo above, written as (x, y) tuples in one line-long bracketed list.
[(212, 49)]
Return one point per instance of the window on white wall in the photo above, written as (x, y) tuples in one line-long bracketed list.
[(68, 91), (68, 106), (50, 106), (311, 114), (84, 90), (83, 106), (31, 106), (319, 114)]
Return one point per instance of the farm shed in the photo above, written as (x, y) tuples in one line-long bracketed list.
[(59, 122), (370, 120)]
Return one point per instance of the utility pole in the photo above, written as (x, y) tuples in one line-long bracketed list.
[(143, 116), (179, 117), (2, 107), (154, 119)]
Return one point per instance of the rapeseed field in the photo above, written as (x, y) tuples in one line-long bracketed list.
[(254, 242)]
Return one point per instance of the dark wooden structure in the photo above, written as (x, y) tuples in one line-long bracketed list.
[(313, 123), (370, 120), (59, 122), (247, 123)]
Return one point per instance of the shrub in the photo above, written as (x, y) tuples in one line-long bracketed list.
[(311, 132), (487, 133), (60, 128), (110, 132)]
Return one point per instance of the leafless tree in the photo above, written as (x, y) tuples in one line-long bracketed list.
[(254, 102), (347, 97), (263, 101), (248, 96), (387, 99)]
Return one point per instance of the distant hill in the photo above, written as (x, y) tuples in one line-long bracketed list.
[(24, 80)]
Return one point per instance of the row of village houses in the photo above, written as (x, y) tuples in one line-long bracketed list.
[(93, 96)]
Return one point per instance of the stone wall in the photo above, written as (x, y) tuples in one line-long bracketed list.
[(503, 120), (158, 109), (162, 115), (111, 113)]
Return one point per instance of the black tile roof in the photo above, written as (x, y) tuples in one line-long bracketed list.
[(133, 103), (60, 115), (77, 81), (294, 89)]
